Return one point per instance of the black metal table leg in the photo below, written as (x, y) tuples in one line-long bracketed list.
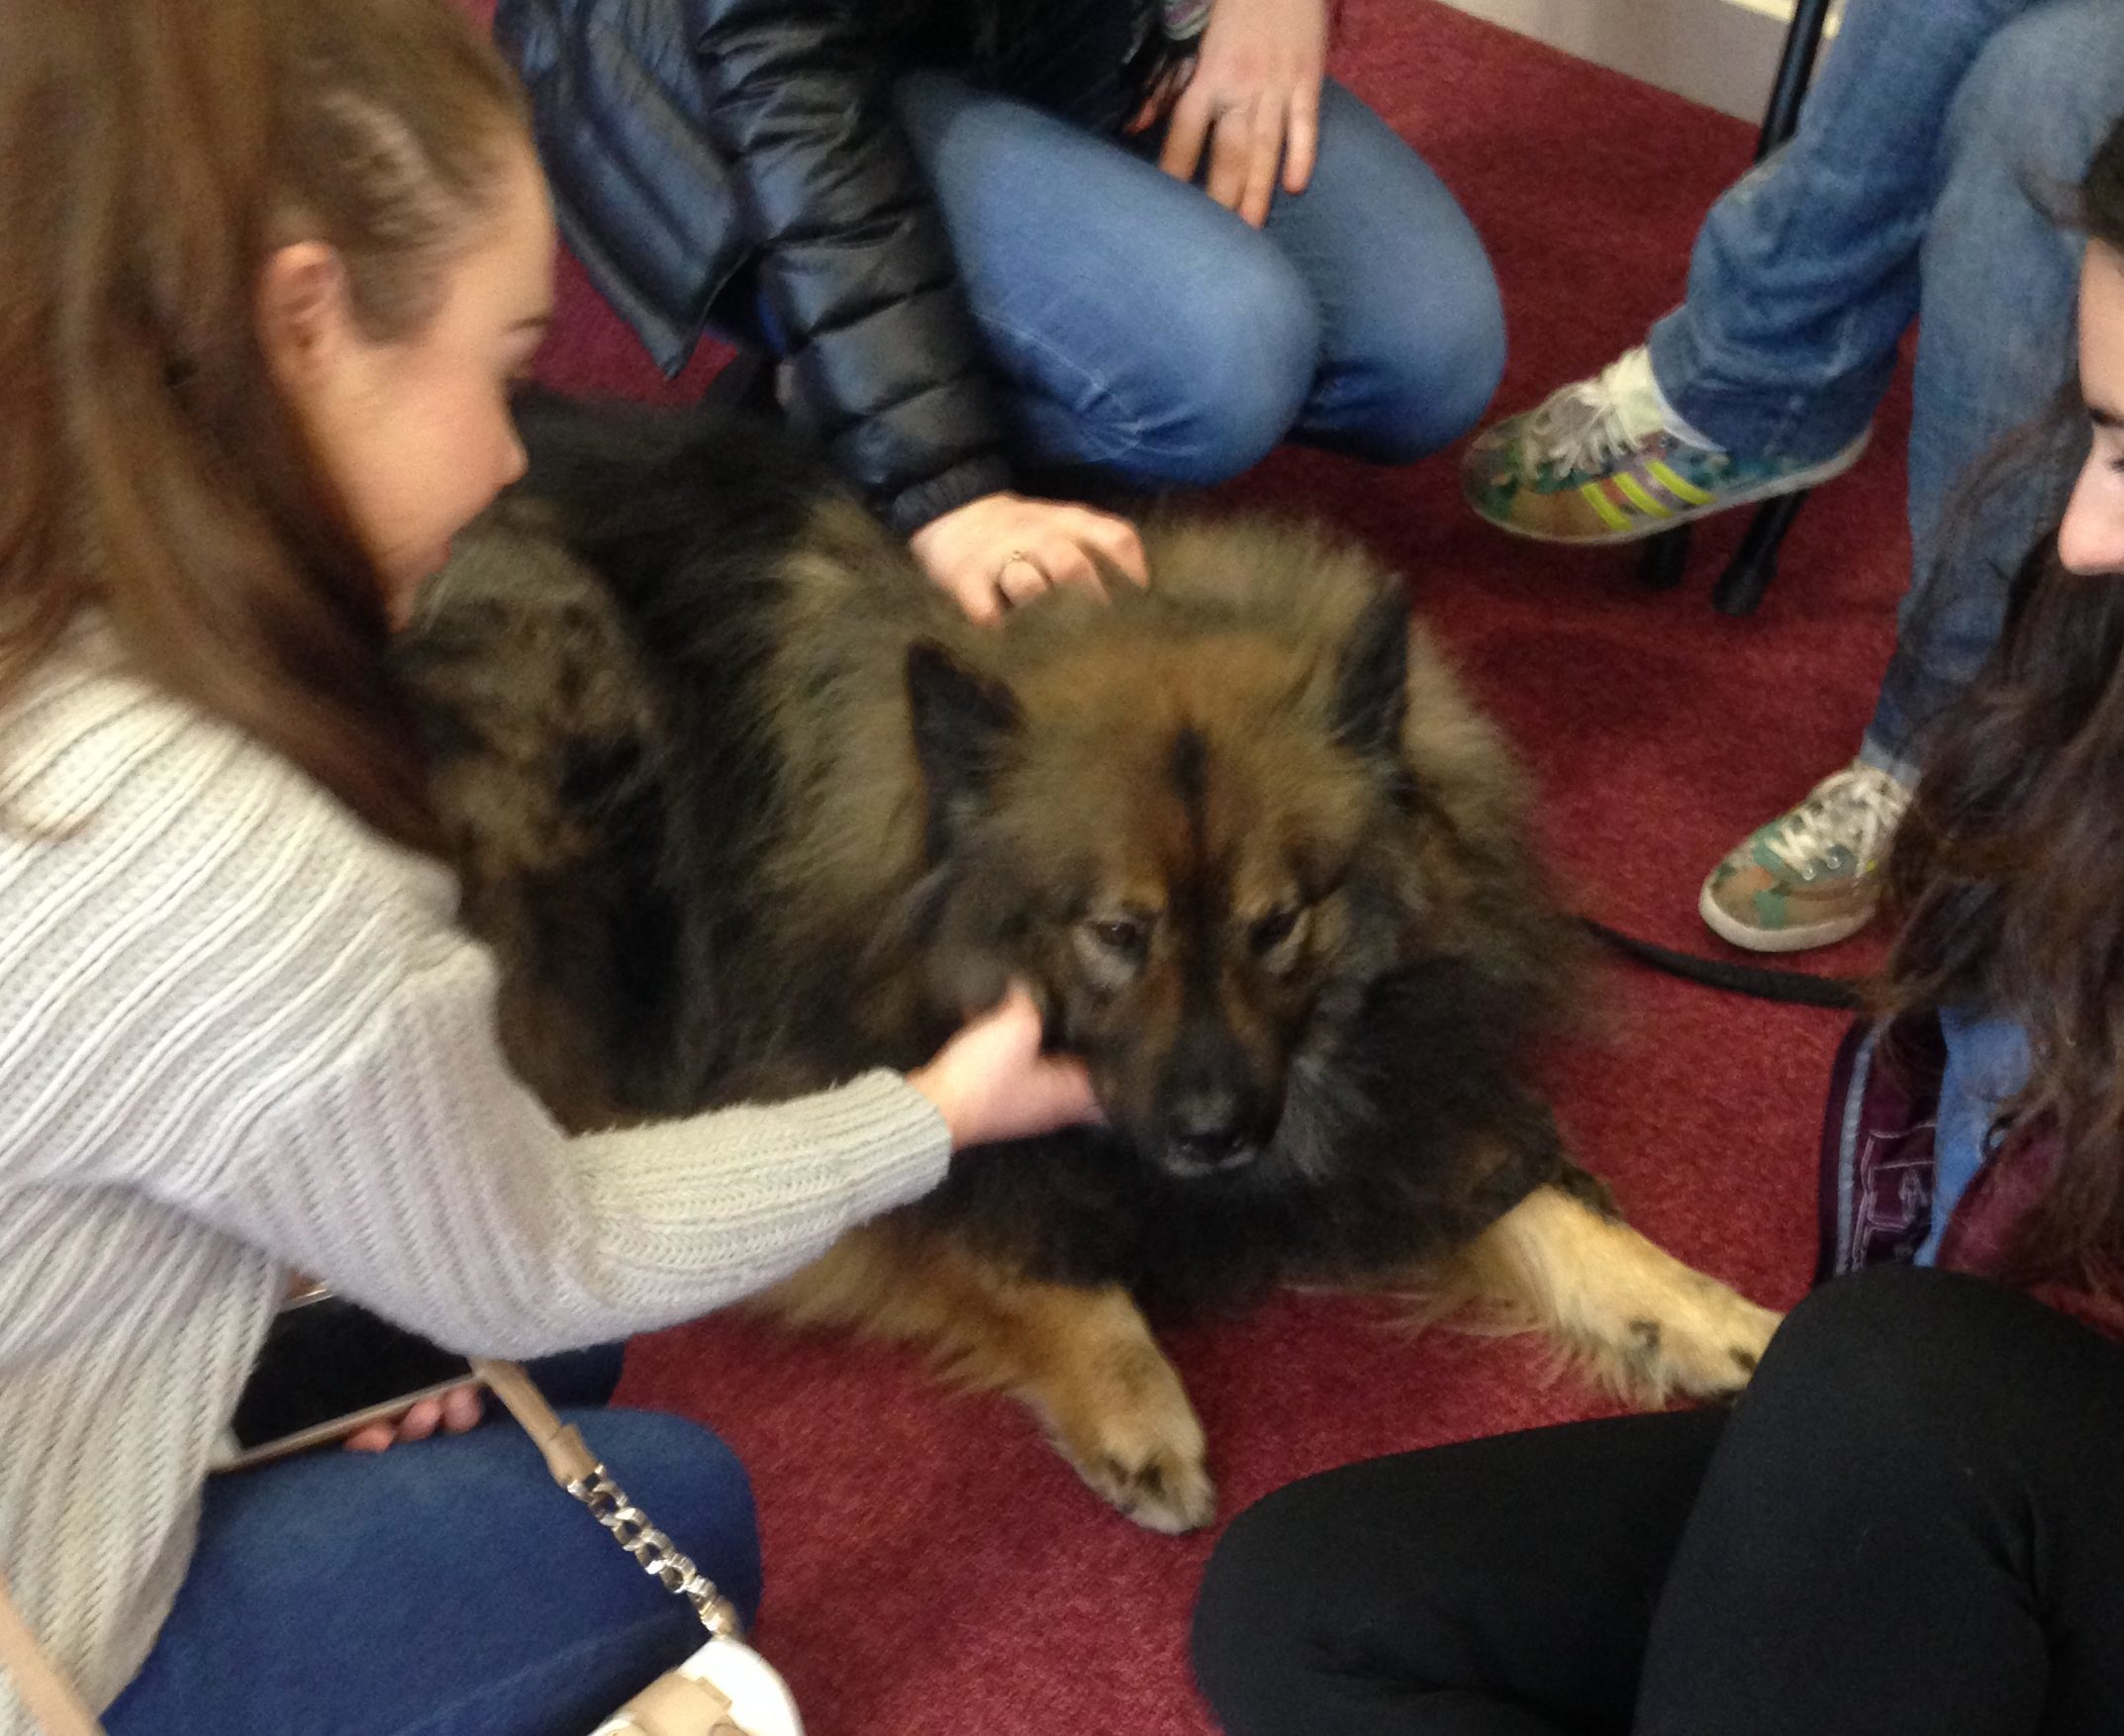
[(1795, 67), (1741, 586), (1664, 559), (1747, 576)]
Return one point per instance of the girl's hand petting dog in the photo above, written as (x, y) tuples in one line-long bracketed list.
[(453, 1412), (991, 1082), (1004, 549), (1253, 99)]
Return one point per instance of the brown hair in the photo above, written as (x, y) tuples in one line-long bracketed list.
[(153, 155), (2008, 869)]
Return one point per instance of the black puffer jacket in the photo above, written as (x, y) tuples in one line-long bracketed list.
[(691, 142)]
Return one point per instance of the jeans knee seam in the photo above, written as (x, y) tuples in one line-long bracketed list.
[(1131, 438), (1127, 430)]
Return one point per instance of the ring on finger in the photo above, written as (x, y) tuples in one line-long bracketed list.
[(1020, 579)]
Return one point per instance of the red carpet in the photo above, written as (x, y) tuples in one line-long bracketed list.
[(931, 1565)]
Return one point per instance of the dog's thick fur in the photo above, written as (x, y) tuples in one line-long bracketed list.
[(747, 806)]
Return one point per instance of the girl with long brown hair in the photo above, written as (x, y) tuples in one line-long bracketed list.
[(1912, 1520), (270, 268)]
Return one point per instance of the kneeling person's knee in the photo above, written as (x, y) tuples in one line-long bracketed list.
[(2042, 92), (1237, 363)]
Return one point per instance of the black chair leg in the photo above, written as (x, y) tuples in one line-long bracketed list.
[(1741, 586), (1664, 559), (1796, 71)]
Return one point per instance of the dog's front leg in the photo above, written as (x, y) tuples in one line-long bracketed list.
[(1112, 1402), (1645, 1324), (1083, 1359)]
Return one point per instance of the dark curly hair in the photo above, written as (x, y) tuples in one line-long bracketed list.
[(2008, 870)]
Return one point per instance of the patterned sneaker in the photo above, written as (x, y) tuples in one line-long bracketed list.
[(1812, 876), (1608, 460)]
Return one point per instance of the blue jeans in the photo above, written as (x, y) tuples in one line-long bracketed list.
[(1140, 329), (1925, 178), (441, 1588)]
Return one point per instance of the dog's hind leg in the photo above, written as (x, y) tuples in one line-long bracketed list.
[(1082, 1359), (1636, 1318)]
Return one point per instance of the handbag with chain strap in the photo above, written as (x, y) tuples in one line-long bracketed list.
[(726, 1689)]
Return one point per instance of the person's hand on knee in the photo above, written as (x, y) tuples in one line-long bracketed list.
[(1253, 99), (1004, 549)]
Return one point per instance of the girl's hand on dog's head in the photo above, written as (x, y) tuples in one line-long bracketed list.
[(991, 1082), (1004, 549)]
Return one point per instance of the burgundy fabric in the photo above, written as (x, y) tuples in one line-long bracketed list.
[(1877, 1173), (1981, 1237), (1879, 1166), (931, 1565)]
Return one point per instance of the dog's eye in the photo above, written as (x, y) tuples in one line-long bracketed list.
[(1273, 929), (1126, 935)]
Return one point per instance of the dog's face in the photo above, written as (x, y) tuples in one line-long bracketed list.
[(1176, 844)]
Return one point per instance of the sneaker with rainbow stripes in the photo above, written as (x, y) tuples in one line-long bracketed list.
[(1608, 460)]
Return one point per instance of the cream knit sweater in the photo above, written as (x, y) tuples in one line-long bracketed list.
[(239, 1038)]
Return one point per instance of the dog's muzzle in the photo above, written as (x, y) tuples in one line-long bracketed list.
[(1210, 1134)]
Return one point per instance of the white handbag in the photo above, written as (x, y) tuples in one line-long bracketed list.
[(726, 1689)]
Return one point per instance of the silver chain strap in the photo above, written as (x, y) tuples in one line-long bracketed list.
[(660, 1558)]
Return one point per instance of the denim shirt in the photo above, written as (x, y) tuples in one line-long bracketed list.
[(1986, 1063)]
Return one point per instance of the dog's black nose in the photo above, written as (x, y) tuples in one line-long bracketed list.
[(1208, 1132)]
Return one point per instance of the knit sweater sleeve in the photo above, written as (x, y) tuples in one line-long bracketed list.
[(410, 1169), (230, 994)]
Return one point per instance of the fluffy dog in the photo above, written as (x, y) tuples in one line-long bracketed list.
[(745, 807)]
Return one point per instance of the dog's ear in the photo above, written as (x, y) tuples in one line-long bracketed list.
[(962, 725), (1371, 697)]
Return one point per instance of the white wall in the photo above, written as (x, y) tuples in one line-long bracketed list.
[(1720, 52)]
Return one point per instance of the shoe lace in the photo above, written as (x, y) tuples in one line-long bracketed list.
[(1857, 810), (1588, 425)]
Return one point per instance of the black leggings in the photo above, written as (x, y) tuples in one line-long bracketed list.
[(1912, 1521)]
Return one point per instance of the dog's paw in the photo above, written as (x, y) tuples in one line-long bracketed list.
[(1134, 1438), (1162, 1484), (1623, 1309), (1703, 1340)]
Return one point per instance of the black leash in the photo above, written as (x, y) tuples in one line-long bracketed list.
[(1761, 982)]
